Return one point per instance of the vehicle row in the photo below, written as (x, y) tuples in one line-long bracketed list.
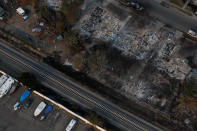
[(42, 110), (9, 85)]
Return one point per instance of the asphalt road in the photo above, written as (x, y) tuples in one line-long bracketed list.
[(65, 87), (169, 16)]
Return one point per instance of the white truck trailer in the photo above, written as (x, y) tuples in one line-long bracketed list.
[(3, 78), (6, 86), (71, 125)]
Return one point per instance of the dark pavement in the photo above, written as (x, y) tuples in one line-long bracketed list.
[(169, 16)]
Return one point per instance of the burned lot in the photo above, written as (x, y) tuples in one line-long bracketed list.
[(139, 58)]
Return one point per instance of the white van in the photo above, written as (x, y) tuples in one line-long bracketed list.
[(21, 12), (71, 125)]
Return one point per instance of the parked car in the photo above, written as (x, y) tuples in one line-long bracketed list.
[(46, 112), (39, 108), (71, 125), (91, 129), (29, 102)]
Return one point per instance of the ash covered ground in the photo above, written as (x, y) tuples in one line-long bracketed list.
[(149, 52)]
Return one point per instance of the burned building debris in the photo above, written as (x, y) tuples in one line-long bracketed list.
[(152, 45)]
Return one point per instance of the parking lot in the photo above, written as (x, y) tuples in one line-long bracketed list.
[(23, 118)]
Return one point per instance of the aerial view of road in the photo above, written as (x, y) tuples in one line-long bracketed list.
[(126, 65), (58, 82), (169, 16)]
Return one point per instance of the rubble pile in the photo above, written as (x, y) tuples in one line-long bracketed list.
[(102, 24), (108, 28), (133, 45), (54, 4), (167, 50), (174, 67), (91, 21), (154, 46), (139, 89), (128, 43), (150, 38)]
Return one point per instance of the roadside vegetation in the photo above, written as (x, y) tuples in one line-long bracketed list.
[(97, 62), (61, 22), (25, 2), (29, 80), (179, 3), (188, 97), (190, 88), (71, 10)]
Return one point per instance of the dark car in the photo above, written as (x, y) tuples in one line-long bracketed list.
[(136, 6), (91, 129), (29, 102)]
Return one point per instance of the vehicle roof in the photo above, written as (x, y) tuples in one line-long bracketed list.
[(8, 83), (25, 94), (48, 109), (71, 124), (3, 78), (20, 10), (39, 108)]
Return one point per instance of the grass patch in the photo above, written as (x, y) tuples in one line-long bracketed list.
[(71, 10), (179, 3)]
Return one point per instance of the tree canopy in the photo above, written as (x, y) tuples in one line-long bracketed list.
[(29, 80)]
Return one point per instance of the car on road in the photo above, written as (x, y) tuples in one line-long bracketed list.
[(192, 33), (135, 5), (164, 4)]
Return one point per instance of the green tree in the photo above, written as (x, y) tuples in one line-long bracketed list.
[(72, 39), (77, 61), (60, 26), (97, 61), (190, 88), (94, 118)]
